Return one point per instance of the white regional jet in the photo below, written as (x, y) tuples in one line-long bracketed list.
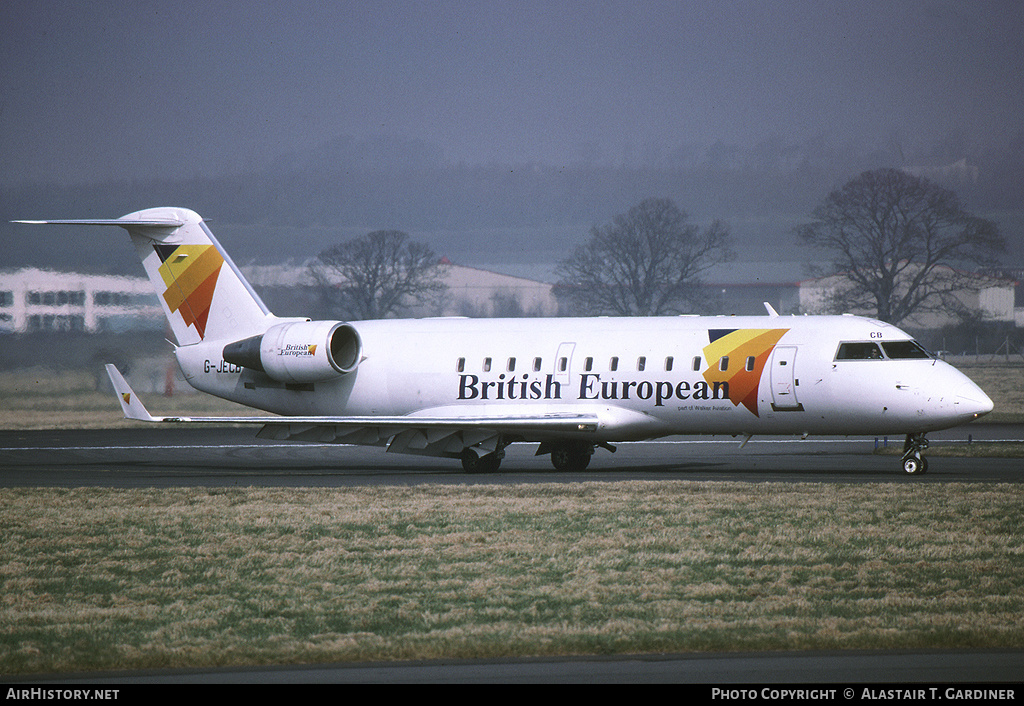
[(467, 388)]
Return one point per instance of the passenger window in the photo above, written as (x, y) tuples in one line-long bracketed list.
[(750, 363), (563, 363), (588, 364), (723, 363), (858, 351), (641, 363), (613, 364), (462, 365), (536, 364), (511, 365), (487, 365), (696, 362), (668, 364)]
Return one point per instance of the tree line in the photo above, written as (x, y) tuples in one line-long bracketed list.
[(898, 245)]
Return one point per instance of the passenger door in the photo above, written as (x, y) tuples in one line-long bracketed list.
[(563, 361), (784, 380)]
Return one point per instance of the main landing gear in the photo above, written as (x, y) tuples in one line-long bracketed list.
[(488, 463), (914, 464), (571, 456), (565, 456)]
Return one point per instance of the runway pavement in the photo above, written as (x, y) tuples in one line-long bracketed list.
[(167, 456), (916, 670)]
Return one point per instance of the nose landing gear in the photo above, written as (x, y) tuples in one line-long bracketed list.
[(914, 463)]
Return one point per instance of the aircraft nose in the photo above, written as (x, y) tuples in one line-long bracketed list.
[(972, 400)]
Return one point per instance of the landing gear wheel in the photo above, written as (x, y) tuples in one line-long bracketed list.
[(488, 463), (914, 464), (571, 457)]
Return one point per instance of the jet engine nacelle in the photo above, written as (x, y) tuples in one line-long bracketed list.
[(300, 352)]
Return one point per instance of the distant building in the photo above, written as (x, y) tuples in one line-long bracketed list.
[(1015, 275), (961, 172), (749, 299), (741, 288), (475, 292), (39, 300), (991, 298), (34, 300), (289, 290)]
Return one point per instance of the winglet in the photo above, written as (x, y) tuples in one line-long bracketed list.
[(130, 402), (771, 310)]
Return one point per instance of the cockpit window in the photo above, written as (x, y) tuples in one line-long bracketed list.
[(858, 351), (894, 350), (903, 350)]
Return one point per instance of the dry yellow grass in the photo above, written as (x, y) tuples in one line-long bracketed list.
[(1003, 381), (40, 398), (99, 579)]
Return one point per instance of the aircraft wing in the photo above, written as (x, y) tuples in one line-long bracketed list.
[(428, 435)]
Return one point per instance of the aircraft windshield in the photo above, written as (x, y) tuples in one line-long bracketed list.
[(859, 351), (902, 350), (869, 350)]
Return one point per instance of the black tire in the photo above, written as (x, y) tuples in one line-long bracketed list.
[(488, 463), (570, 457), (914, 465)]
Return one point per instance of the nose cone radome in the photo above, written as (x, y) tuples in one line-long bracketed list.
[(971, 401)]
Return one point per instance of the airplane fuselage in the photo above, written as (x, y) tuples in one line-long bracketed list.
[(466, 388), (644, 377)]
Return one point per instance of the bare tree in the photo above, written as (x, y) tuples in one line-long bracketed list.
[(900, 245), (646, 262), (380, 274)]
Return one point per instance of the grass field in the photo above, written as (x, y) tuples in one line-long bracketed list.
[(121, 579), (40, 398), (105, 579), (1004, 383)]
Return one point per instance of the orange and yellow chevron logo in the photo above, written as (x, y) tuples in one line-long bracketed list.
[(740, 345), (190, 275)]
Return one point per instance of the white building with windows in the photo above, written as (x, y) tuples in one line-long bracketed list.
[(33, 300), (40, 300)]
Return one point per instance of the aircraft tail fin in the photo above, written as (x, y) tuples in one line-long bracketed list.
[(202, 292)]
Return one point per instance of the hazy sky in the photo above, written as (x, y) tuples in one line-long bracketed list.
[(93, 89)]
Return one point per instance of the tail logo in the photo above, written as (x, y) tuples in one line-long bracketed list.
[(748, 351), (190, 274)]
